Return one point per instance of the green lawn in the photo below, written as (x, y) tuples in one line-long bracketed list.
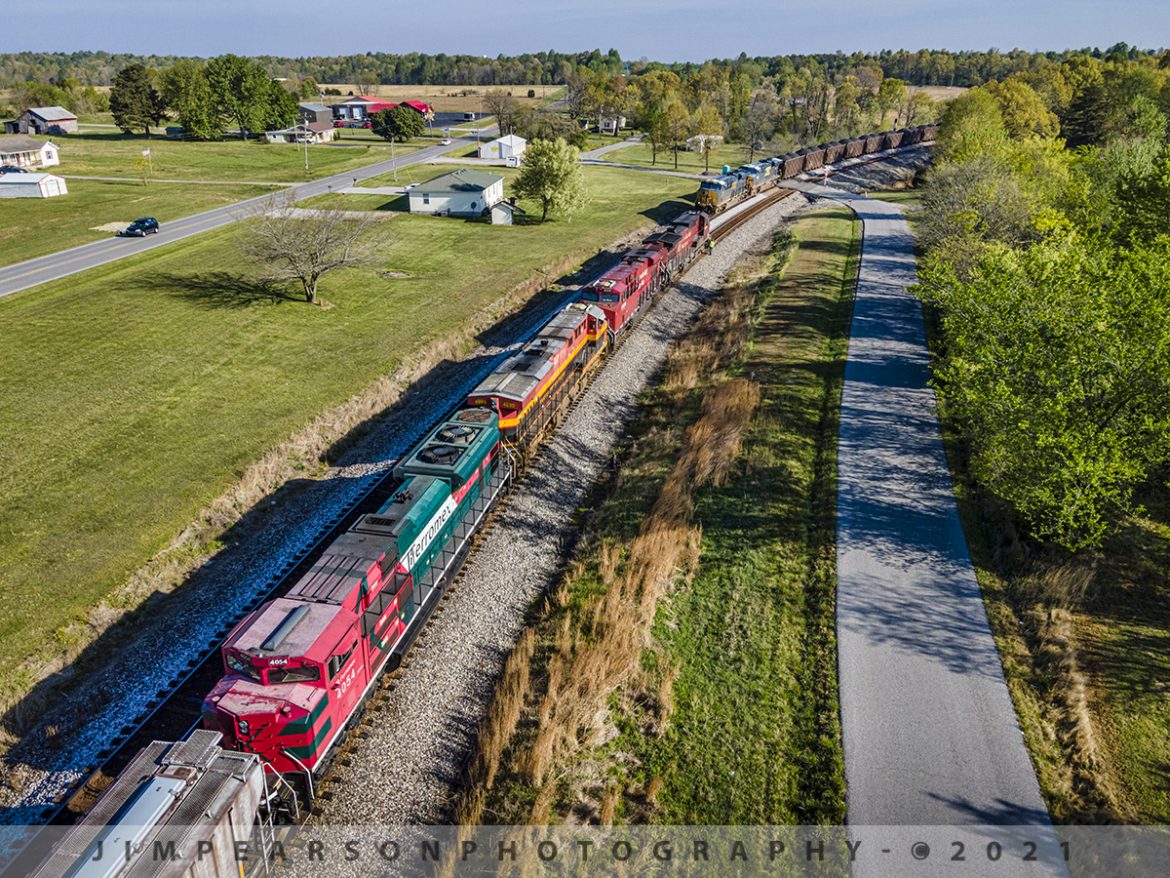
[(33, 227), (119, 155), (133, 395), (640, 154)]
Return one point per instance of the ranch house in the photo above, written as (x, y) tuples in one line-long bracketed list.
[(461, 193)]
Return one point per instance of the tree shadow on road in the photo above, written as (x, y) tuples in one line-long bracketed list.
[(223, 289)]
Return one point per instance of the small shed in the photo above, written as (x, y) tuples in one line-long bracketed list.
[(28, 152), (31, 186), (43, 120), (611, 124), (503, 147), (504, 213), (464, 192)]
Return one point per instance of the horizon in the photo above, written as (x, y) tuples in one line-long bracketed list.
[(692, 32)]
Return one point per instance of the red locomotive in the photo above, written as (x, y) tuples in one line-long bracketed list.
[(627, 288)]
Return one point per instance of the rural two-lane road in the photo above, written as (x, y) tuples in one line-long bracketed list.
[(63, 263)]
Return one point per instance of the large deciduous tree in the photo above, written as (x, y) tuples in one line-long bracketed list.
[(247, 95), (134, 101), (188, 95), (301, 245), (551, 175), (397, 124)]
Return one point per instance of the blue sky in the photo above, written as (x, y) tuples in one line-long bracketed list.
[(678, 30)]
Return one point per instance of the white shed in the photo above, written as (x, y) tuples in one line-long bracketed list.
[(31, 186), (503, 147), (464, 192)]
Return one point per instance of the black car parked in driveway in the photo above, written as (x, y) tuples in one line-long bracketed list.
[(12, 169), (140, 228)]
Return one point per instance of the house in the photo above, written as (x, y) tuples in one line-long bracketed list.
[(43, 120), (503, 147), (31, 186), (702, 142), (464, 192), (311, 112), (611, 124), (304, 132), (28, 152)]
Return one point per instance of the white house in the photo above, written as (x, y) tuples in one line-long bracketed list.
[(503, 147), (611, 124), (31, 186), (464, 192), (303, 132), (28, 152)]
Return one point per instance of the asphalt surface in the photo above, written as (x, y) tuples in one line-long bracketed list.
[(930, 733), (63, 263)]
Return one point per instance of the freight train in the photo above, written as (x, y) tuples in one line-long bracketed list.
[(298, 669), (731, 187)]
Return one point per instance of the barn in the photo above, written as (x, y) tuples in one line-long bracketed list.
[(464, 192), (43, 120), (31, 186), (503, 147)]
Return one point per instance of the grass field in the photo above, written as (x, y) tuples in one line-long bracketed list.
[(447, 98), (135, 394), (732, 154), (726, 709), (32, 228), (118, 155)]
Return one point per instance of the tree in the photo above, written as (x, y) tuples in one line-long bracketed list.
[(1057, 360), (891, 95), (188, 95), (708, 127), (971, 125), (551, 175), (397, 124), (135, 103), (302, 245), (1024, 113), (673, 127), (759, 122), (504, 107), (245, 93)]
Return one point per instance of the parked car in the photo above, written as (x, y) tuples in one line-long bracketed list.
[(140, 228), (446, 141), (12, 169)]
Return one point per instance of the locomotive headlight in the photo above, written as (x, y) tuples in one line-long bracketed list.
[(244, 727)]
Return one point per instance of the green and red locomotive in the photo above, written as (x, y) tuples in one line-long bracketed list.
[(297, 669)]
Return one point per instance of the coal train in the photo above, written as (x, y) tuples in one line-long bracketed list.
[(298, 669), (731, 187)]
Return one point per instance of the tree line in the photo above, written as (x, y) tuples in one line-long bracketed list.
[(921, 67), (1048, 262)]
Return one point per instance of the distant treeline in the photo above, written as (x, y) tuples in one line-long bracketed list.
[(923, 67)]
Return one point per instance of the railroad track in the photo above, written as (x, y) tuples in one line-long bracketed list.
[(175, 711)]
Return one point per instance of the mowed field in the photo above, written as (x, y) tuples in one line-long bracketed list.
[(32, 227), (732, 154), (133, 395)]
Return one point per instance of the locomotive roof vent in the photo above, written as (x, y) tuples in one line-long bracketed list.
[(456, 434), (440, 455), (473, 416)]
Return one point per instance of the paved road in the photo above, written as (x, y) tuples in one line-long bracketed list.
[(930, 734), (63, 263), (610, 147)]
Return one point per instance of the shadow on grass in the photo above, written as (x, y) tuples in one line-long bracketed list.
[(223, 289)]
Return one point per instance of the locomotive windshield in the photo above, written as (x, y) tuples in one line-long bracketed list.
[(307, 674), (245, 668)]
